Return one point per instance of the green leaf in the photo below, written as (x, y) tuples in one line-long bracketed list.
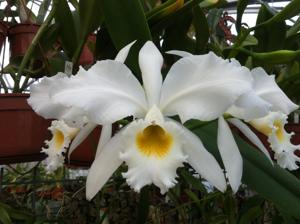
[(175, 36), (67, 29), (270, 182), (4, 216), (125, 21), (193, 181), (291, 10), (294, 29), (270, 37), (201, 29), (241, 6), (274, 57), (249, 41), (90, 16), (163, 10), (143, 206), (169, 20), (43, 11)]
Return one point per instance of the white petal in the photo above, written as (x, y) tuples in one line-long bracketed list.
[(180, 53), (287, 160), (104, 165), (123, 53), (62, 135), (250, 135), (266, 87), (105, 136), (249, 106), (81, 136), (230, 154), (108, 92), (40, 100), (202, 161), (203, 87), (145, 169), (151, 61)]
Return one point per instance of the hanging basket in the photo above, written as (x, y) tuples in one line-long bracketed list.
[(22, 131)]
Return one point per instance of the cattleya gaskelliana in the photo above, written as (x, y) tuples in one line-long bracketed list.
[(153, 145)]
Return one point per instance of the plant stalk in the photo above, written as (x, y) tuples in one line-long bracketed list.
[(33, 45)]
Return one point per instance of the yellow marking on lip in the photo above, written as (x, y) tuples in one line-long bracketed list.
[(154, 141)]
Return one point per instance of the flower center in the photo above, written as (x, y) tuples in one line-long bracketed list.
[(154, 141), (58, 139)]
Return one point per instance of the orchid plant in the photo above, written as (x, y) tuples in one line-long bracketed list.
[(155, 143)]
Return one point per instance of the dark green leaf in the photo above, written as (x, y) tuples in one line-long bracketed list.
[(270, 37), (43, 11), (193, 181), (291, 10), (294, 29), (67, 27), (270, 182), (90, 16), (241, 6), (125, 21), (4, 216), (201, 29)]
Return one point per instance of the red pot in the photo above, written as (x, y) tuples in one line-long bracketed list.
[(22, 131), (3, 33), (20, 37), (87, 55)]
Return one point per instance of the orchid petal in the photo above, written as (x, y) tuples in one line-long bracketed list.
[(105, 136), (40, 100), (81, 136), (151, 61), (230, 154), (250, 135), (266, 87), (180, 53), (203, 87), (104, 165), (123, 53), (108, 92), (249, 106), (202, 161)]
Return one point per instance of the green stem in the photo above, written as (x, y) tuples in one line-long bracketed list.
[(33, 45), (143, 206)]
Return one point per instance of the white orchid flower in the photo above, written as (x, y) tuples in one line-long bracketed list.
[(153, 145), (272, 126), (69, 117), (62, 135), (264, 96)]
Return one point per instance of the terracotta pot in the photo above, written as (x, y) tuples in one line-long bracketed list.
[(87, 56), (22, 131), (20, 37), (3, 33)]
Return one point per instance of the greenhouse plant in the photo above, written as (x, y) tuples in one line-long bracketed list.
[(149, 111)]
